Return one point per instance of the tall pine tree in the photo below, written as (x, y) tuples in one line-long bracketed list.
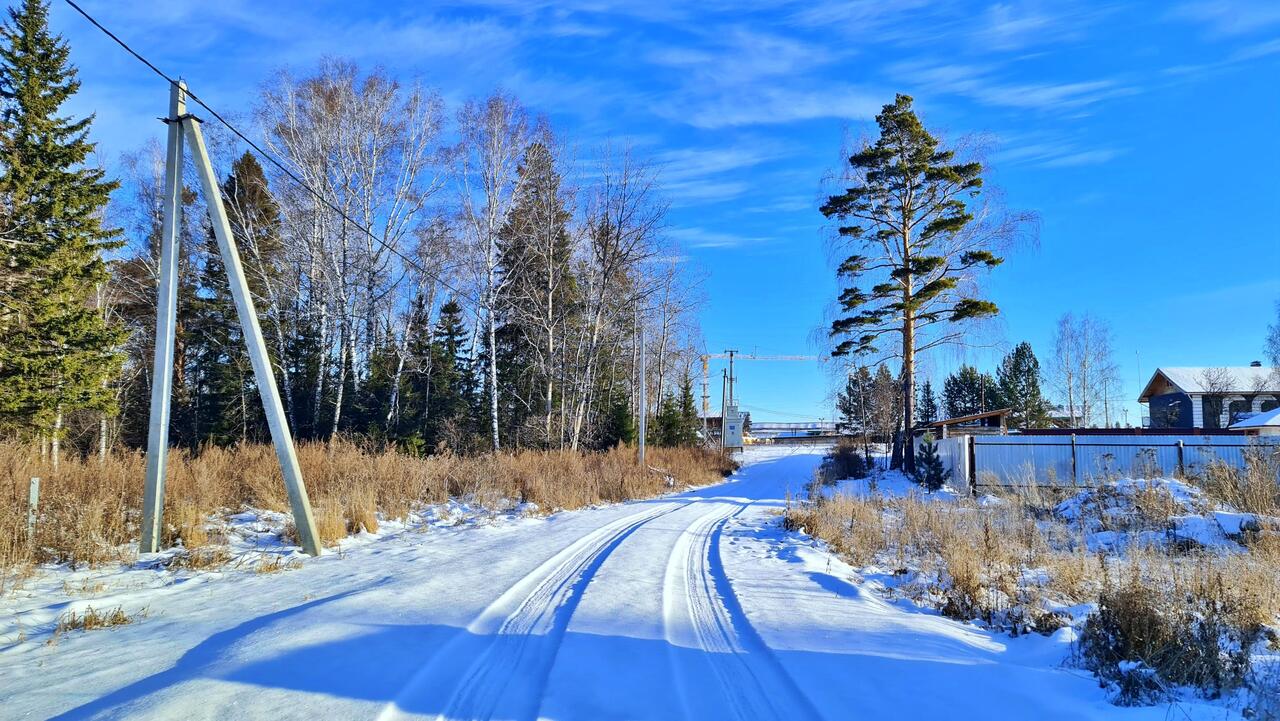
[(917, 252), (59, 352)]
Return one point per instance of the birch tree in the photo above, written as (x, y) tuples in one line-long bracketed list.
[(495, 132)]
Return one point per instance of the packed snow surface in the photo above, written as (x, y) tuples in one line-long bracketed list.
[(692, 606)]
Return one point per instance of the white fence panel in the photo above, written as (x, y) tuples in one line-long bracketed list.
[(955, 457)]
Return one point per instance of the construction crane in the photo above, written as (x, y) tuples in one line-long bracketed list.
[(733, 355)]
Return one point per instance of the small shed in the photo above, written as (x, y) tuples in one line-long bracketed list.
[(1262, 424), (989, 423)]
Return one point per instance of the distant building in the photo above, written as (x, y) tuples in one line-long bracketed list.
[(1210, 398), (979, 424)]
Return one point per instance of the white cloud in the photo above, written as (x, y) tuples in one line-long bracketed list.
[(701, 238), (980, 83), (1229, 17)]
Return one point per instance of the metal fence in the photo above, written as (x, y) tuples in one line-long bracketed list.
[(1086, 459)]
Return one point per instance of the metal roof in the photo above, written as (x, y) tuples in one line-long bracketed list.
[(1240, 379)]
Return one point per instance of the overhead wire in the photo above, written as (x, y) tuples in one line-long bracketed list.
[(272, 159)]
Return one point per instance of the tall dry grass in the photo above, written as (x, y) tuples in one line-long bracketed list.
[(89, 509), (1168, 615)]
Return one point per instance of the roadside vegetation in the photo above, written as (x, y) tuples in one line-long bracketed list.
[(89, 510), (1165, 586)]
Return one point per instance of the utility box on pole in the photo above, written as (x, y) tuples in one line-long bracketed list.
[(732, 428)]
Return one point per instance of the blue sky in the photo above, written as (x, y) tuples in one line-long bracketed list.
[(1144, 134)]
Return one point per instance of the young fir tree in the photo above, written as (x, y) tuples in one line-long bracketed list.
[(968, 391), (59, 353), (853, 402), (928, 403), (913, 273), (666, 428), (930, 471), (1019, 380), (619, 425), (690, 424), (450, 409)]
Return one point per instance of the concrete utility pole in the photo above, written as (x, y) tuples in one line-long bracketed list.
[(731, 354), (166, 314), (158, 440), (644, 397)]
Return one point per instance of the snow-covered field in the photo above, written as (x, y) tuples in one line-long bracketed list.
[(692, 606)]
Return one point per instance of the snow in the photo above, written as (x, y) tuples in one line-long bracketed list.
[(1113, 521), (696, 605), (1266, 419), (1239, 379)]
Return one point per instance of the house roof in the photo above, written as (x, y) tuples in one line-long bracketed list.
[(969, 419), (1266, 419), (1240, 379)]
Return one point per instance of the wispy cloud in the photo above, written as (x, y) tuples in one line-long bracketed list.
[(701, 238), (1229, 17), (1049, 152), (983, 85)]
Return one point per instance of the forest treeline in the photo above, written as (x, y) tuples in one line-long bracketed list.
[(464, 278)]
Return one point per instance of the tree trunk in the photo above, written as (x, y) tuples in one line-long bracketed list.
[(56, 444)]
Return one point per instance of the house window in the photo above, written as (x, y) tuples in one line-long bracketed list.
[(1269, 404), (1237, 410), (1212, 406)]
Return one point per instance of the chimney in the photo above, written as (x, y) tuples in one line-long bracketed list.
[(1255, 364)]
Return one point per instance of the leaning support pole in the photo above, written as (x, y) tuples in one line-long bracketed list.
[(262, 373), (166, 313)]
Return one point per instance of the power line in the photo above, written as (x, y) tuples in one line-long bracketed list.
[(272, 159)]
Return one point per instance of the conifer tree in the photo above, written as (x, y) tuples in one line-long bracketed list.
[(913, 273), (1019, 380), (450, 408), (690, 424), (930, 471), (968, 391), (619, 426), (59, 353), (928, 403)]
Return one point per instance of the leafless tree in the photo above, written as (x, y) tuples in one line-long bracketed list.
[(1082, 368), (495, 132)]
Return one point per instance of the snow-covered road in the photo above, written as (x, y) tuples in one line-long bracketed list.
[(692, 606)]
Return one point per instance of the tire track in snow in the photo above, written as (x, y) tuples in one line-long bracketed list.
[(702, 612), (522, 631)]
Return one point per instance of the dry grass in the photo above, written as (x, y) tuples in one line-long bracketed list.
[(89, 510), (1254, 490), (92, 619), (1168, 616)]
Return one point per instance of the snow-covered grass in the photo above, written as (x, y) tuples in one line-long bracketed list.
[(1166, 591)]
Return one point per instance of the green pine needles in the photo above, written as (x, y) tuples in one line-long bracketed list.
[(59, 351), (915, 217)]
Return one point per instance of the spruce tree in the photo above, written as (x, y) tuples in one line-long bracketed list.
[(619, 425), (690, 422), (928, 403), (1019, 381), (536, 292), (59, 352), (450, 409), (930, 471), (969, 391)]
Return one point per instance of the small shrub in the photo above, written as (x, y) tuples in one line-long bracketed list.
[(1145, 638)]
